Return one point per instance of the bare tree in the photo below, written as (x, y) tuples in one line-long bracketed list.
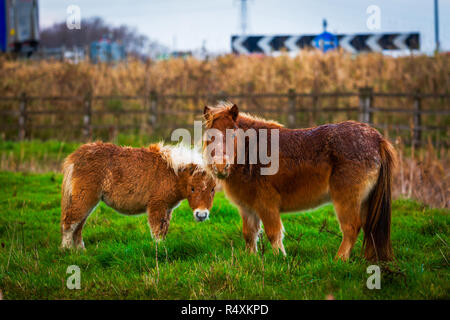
[(94, 29)]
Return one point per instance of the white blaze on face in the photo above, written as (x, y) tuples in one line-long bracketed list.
[(201, 214)]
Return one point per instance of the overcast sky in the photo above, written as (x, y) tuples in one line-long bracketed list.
[(184, 24)]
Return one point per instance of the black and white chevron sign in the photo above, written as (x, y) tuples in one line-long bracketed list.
[(353, 43)]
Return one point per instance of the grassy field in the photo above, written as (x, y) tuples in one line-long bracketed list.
[(46, 156), (207, 260)]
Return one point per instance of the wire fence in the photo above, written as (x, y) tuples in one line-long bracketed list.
[(414, 116)]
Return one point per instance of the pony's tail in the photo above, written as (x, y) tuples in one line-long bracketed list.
[(377, 227)]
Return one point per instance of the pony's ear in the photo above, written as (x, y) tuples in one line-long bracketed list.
[(207, 113), (234, 111)]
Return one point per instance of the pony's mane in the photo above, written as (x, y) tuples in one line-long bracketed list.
[(271, 123), (179, 157), (224, 106)]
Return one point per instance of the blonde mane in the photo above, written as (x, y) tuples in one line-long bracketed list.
[(224, 106), (179, 157)]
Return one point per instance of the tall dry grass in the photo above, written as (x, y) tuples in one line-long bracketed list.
[(423, 175), (309, 71)]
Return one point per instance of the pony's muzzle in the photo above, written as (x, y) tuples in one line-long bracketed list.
[(201, 214), (221, 166), (221, 170)]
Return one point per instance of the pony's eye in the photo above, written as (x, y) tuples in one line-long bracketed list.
[(212, 190), (192, 189)]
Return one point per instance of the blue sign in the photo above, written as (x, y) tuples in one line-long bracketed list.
[(326, 41)]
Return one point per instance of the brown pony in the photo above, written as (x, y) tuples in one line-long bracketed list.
[(348, 163), (132, 181)]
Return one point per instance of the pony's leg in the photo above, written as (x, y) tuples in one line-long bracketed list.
[(350, 202), (347, 203), (350, 223), (77, 235), (251, 225), (74, 216), (273, 228), (158, 219)]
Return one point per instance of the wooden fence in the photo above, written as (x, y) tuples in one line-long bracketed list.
[(153, 109)]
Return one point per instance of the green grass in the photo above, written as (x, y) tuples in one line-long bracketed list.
[(47, 156), (206, 260)]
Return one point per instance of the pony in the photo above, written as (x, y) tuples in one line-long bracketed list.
[(347, 163), (132, 181)]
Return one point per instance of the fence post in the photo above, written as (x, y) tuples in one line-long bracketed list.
[(23, 117), (316, 109), (291, 115), (87, 119), (153, 111), (365, 105), (417, 121)]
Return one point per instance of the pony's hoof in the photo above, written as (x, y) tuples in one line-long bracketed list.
[(341, 258), (80, 246)]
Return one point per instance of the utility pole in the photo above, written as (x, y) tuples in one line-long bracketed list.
[(243, 16), (436, 25)]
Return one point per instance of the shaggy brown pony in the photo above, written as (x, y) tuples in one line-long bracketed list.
[(132, 181), (348, 163)]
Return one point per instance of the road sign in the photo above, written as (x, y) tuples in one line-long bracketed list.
[(367, 42), (326, 41)]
